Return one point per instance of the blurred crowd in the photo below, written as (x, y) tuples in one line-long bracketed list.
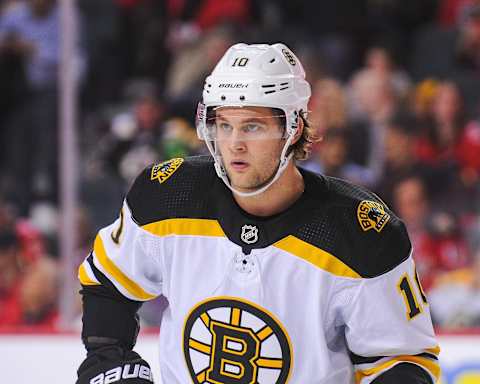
[(395, 99)]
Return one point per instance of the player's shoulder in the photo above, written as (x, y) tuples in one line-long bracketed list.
[(343, 193), (357, 227), (173, 188), (378, 235)]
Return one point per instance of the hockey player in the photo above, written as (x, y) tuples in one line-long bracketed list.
[(273, 274)]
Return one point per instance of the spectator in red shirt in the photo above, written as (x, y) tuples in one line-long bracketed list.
[(439, 246), (443, 128), (28, 288), (447, 139)]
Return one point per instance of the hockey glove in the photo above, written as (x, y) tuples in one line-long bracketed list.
[(113, 364)]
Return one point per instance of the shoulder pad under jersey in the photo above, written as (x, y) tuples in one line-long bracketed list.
[(357, 227), (172, 189)]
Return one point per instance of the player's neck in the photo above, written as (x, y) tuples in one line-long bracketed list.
[(278, 197)]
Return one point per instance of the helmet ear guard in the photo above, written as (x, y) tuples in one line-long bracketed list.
[(257, 75)]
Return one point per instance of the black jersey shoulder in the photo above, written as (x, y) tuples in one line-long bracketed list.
[(354, 225), (172, 189)]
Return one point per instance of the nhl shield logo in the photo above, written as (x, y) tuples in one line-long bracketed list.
[(249, 234)]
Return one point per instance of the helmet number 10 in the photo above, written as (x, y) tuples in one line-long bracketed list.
[(240, 62)]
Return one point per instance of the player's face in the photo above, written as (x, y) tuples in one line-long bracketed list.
[(250, 142)]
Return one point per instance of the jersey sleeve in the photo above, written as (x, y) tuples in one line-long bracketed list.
[(388, 323), (128, 257)]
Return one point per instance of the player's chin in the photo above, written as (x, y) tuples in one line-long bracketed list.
[(243, 183), (248, 184)]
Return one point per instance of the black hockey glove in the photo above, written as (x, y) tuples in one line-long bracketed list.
[(113, 364)]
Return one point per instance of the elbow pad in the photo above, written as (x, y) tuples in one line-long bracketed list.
[(109, 318)]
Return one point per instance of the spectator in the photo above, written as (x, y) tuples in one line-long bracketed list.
[(28, 289), (376, 89), (448, 142), (39, 293), (30, 30), (411, 203), (191, 64), (436, 237), (331, 159), (443, 128), (400, 160), (328, 105), (422, 98), (380, 60), (372, 102), (134, 137)]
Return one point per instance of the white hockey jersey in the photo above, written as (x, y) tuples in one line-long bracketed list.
[(325, 292)]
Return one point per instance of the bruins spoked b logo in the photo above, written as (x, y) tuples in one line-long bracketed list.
[(231, 341)]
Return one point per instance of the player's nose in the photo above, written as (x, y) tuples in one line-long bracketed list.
[(237, 141)]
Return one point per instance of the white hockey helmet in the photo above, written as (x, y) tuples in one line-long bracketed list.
[(259, 75)]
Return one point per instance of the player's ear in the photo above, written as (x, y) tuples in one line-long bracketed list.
[(299, 133)]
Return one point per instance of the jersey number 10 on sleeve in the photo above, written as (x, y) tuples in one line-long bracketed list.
[(414, 307)]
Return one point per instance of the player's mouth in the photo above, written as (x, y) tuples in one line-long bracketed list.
[(239, 165)]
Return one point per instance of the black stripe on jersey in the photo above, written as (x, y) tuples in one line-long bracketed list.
[(404, 373), (357, 359), (428, 355)]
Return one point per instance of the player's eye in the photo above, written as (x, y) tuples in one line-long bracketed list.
[(252, 128), (224, 127)]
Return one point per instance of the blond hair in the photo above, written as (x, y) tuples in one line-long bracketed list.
[(302, 148)]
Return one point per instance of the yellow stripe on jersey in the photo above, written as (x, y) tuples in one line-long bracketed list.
[(316, 256), (83, 276), (133, 288), (428, 364), (434, 351), (186, 227)]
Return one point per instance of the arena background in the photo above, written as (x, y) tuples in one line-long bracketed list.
[(92, 91)]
